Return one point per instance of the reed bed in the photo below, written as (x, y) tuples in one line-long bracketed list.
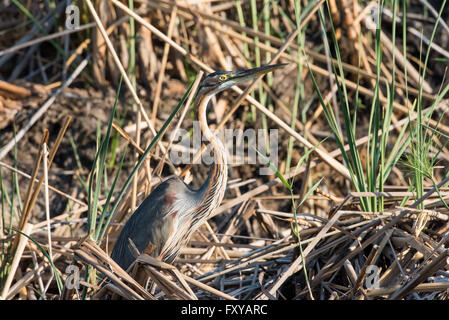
[(355, 208)]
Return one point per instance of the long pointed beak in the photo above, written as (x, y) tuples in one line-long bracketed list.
[(253, 73)]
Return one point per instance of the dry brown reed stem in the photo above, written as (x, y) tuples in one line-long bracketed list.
[(178, 275), (304, 183), (129, 293), (122, 70), (64, 216), (32, 196), (362, 274), (130, 87), (16, 260), (239, 264), (160, 78), (13, 89), (30, 204), (201, 251), (222, 251), (28, 200), (25, 213), (258, 190), (207, 288), (91, 253), (350, 272), (167, 285), (46, 197), (36, 270), (127, 137), (215, 48), (422, 287)]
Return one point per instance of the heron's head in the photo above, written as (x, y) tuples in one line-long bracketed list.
[(222, 80)]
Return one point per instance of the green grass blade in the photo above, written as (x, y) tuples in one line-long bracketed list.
[(50, 260)]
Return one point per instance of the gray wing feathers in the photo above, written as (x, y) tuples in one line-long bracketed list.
[(148, 224)]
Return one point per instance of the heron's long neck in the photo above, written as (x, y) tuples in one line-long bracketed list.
[(209, 196), (216, 181)]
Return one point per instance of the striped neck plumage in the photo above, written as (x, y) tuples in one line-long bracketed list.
[(218, 147)]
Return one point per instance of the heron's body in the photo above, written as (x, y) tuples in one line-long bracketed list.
[(160, 210), (166, 219)]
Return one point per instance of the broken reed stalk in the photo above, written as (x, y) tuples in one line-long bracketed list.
[(47, 208), (26, 209), (160, 78), (16, 260)]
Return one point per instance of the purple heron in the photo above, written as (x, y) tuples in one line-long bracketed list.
[(167, 218)]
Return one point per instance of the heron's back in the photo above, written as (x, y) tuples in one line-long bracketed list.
[(151, 225)]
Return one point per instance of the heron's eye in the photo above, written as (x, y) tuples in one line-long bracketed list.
[(222, 77)]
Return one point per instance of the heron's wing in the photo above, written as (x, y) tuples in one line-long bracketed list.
[(149, 227)]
